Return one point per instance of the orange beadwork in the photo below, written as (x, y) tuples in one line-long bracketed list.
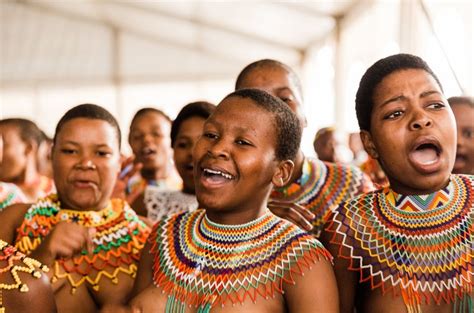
[(120, 236), (204, 264)]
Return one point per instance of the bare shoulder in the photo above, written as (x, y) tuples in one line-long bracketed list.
[(11, 218), (314, 289)]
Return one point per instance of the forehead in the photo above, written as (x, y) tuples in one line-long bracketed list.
[(88, 130), (191, 123), (407, 82), (269, 78), (150, 118), (242, 113), (464, 113)]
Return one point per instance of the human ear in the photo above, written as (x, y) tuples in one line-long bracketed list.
[(369, 145), (283, 173), (31, 147)]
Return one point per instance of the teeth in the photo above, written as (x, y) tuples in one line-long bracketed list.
[(213, 172)]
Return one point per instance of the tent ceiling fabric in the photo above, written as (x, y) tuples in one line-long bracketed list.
[(51, 41)]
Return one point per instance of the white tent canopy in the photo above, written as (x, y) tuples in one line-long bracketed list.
[(129, 54)]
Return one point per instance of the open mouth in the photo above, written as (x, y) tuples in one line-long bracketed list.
[(216, 175), (426, 155), (147, 152)]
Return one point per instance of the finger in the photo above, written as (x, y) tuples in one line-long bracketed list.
[(292, 215), (90, 244), (307, 214)]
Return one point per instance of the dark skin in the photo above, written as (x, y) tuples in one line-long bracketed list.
[(39, 297), (86, 163), (408, 105), (233, 143), (281, 84)]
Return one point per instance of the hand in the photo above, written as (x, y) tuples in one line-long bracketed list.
[(64, 240), (293, 212), (127, 171)]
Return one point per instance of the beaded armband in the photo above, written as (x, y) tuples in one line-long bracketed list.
[(13, 262)]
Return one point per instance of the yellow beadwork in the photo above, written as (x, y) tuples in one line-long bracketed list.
[(16, 263), (119, 237)]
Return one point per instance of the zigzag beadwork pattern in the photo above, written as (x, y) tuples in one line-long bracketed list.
[(120, 236), (204, 264), (323, 186), (422, 250)]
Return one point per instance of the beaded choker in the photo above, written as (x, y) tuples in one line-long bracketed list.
[(321, 187), (15, 262), (204, 264), (418, 246), (119, 237)]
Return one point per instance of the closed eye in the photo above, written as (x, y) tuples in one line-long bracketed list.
[(68, 151), (243, 142), (104, 153)]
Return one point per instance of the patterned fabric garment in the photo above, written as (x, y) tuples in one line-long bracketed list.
[(12, 263), (420, 247), (120, 236), (204, 264), (160, 203), (10, 194), (322, 187)]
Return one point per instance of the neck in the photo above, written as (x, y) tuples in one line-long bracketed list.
[(298, 170), (29, 181), (235, 217), (154, 174)]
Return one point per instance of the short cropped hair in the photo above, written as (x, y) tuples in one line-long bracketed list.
[(27, 130), (144, 111), (288, 128), (194, 109), (89, 111), (267, 63), (461, 100), (375, 74)]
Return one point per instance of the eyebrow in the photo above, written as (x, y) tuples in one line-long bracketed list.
[(402, 97), (99, 145)]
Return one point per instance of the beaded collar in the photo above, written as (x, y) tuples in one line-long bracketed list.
[(204, 264), (14, 263), (321, 187), (119, 237), (418, 246)]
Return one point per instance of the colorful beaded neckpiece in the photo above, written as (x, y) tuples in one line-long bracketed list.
[(321, 187), (120, 236), (204, 264), (13, 263), (421, 247)]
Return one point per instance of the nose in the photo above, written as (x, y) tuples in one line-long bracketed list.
[(218, 149), (420, 120), (85, 164)]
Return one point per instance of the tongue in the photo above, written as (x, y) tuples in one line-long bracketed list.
[(424, 155), (217, 178)]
